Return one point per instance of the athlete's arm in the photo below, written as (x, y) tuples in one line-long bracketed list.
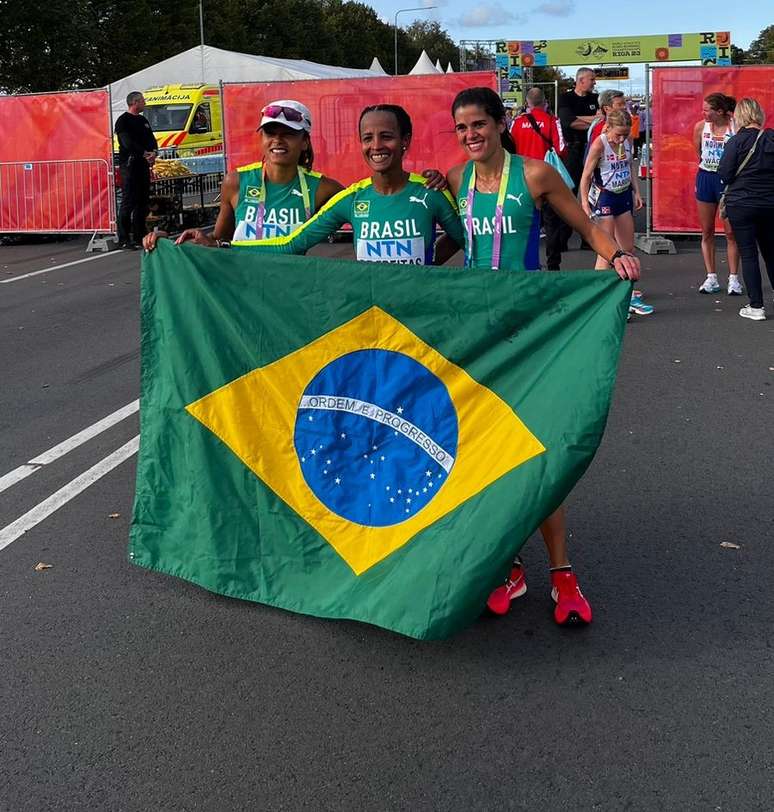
[(546, 185), (445, 212), (697, 137), (226, 222), (635, 184), (454, 178), (592, 159), (333, 215), (325, 191)]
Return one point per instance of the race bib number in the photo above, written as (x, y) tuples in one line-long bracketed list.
[(404, 250)]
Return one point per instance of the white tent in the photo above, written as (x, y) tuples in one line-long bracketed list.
[(438, 66), (449, 68), (226, 66), (424, 65), (376, 67)]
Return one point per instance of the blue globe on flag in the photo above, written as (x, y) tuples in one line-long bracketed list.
[(376, 436)]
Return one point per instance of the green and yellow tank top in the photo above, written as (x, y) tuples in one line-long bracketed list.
[(386, 228), (284, 209), (520, 246)]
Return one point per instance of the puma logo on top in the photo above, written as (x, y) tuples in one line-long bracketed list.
[(421, 200), (517, 198)]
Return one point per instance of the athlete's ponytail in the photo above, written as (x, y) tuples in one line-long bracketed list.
[(491, 104)]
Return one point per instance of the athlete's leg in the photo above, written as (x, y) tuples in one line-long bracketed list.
[(607, 224), (624, 231), (554, 532), (707, 221), (732, 248)]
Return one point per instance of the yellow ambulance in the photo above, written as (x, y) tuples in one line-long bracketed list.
[(186, 119)]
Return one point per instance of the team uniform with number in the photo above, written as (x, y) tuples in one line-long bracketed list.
[(284, 208), (397, 228), (611, 193), (709, 186)]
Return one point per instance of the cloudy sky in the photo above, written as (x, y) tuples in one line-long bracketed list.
[(561, 19)]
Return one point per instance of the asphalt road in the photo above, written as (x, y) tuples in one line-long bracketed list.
[(121, 689)]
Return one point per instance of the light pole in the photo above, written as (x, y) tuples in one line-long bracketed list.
[(400, 11), (201, 32)]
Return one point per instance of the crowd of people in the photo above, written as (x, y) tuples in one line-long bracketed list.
[(571, 172)]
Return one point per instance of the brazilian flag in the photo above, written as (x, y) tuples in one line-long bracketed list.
[(362, 440)]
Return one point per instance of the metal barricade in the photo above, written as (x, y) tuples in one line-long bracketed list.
[(45, 197)]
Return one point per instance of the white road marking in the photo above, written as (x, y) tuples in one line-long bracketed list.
[(48, 506), (47, 457), (57, 267)]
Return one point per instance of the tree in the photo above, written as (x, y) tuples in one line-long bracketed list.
[(427, 35), (761, 49)]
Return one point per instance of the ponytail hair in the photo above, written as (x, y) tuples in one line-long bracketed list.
[(491, 104), (722, 103), (618, 118)]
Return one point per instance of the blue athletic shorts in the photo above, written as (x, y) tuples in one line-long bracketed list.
[(709, 186), (612, 204)]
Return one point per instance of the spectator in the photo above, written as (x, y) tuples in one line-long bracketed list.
[(577, 109), (137, 149), (608, 100), (749, 198), (534, 133), (710, 136)]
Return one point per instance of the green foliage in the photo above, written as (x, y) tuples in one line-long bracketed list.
[(61, 44), (761, 50)]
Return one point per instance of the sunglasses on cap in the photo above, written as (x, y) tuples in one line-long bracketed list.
[(277, 110)]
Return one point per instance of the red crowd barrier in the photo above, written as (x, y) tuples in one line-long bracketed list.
[(56, 157), (678, 94), (336, 104)]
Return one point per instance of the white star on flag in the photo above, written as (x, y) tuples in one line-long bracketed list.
[(373, 476)]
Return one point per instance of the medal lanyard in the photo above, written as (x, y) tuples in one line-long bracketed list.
[(262, 200), (498, 218)]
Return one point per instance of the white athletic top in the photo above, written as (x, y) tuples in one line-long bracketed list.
[(712, 146), (613, 171)]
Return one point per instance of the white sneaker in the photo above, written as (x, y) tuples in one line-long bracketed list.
[(734, 288), (710, 285), (754, 313)]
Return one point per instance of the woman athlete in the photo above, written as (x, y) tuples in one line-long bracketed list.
[(393, 213), (709, 138), (609, 193), (274, 196), (500, 195)]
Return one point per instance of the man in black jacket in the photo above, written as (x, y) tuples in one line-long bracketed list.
[(577, 109), (136, 154)]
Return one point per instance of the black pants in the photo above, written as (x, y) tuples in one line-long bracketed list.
[(754, 228), (557, 231), (135, 193)]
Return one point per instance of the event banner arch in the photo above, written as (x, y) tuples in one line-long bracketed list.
[(336, 105), (678, 94), (56, 158)]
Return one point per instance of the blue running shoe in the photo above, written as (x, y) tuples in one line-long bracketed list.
[(636, 305)]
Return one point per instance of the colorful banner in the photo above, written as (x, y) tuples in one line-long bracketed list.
[(315, 437), (709, 47), (56, 163), (678, 94), (336, 105)]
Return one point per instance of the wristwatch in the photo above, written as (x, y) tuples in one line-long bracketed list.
[(617, 255), (223, 243)]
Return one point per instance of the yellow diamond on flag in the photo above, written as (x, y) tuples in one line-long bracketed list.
[(369, 434)]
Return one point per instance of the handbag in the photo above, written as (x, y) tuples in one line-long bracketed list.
[(722, 202), (552, 157)]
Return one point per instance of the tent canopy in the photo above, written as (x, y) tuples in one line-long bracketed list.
[(226, 66), (424, 65), (376, 67)]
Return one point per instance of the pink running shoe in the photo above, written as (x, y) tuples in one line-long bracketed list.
[(571, 607), (514, 587)]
